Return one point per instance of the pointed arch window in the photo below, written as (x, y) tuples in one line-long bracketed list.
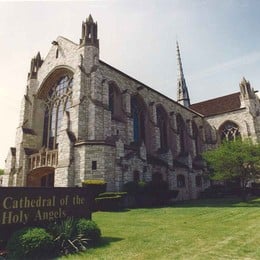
[(115, 101), (181, 130), (162, 123), (111, 99), (229, 131), (138, 114), (195, 133), (181, 181), (58, 101), (198, 180)]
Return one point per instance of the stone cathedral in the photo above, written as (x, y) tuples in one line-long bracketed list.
[(83, 119)]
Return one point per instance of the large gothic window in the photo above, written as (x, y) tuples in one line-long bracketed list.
[(162, 124), (229, 131), (114, 101), (57, 102), (138, 114), (195, 134), (181, 131)]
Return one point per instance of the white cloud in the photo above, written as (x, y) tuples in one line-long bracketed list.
[(243, 61)]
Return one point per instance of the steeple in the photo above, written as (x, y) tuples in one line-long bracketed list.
[(182, 90), (89, 33), (245, 89), (36, 63)]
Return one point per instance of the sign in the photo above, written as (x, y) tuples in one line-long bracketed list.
[(29, 206)]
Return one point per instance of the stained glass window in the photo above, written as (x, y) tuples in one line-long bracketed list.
[(229, 131), (57, 102)]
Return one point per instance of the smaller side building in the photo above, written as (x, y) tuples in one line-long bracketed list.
[(237, 114)]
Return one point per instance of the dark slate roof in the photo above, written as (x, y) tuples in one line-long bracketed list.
[(218, 105), (142, 85)]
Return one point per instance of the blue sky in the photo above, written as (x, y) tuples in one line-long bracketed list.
[(219, 44)]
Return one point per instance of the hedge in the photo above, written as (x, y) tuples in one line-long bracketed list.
[(30, 243)]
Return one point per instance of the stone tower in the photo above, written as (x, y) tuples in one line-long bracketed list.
[(90, 43), (182, 90), (89, 33)]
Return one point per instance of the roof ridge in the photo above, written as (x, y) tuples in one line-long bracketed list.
[(236, 93)]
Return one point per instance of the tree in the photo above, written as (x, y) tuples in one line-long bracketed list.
[(1, 171), (235, 160)]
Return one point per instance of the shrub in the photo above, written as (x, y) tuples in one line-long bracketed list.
[(88, 229), (95, 187), (114, 203), (256, 185), (93, 182), (67, 239), (135, 188), (220, 191), (110, 201), (142, 186), (112, 194), (131, 187), (151, 193), (30, 243)]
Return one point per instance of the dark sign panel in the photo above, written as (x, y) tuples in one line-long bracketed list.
[(28, 206)]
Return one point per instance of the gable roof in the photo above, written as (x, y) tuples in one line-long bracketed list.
[(143, 85), (218, 105)]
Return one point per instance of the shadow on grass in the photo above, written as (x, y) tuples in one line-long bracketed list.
[(115, 210), (220, 202), (106, 241), (231, 201)]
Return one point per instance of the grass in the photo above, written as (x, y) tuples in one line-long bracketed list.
[(204, 229)]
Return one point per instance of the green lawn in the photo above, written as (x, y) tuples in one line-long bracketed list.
[(205, 229)]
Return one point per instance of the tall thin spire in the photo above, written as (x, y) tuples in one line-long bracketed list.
[(182, 90)]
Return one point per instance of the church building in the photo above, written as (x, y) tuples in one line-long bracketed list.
[(82, 119)]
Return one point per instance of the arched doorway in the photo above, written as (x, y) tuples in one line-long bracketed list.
[(41, 177)]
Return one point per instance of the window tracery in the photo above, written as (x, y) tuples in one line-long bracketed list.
[(58, 101), (229, 131)]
